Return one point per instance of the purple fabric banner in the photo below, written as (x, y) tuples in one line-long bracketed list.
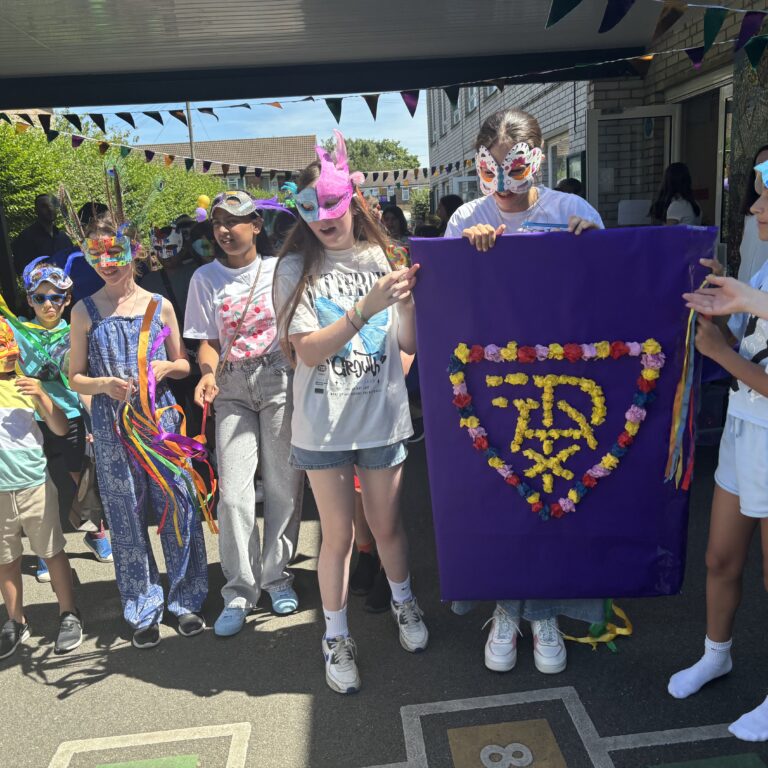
[(553, 401)]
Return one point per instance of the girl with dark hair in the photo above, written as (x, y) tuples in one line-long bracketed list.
[(393, 218), (753, 250), (230, 311), (446, 207), (674, 203), (347, 316)]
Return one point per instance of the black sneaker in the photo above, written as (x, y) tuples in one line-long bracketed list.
[(70, 632), (190, 624), (380, 596), (148, 637), (12, 635), (362, 579)]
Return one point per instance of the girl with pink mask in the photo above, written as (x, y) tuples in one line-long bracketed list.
[(347, 316)]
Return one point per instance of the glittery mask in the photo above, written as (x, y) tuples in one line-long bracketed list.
[(97, 251), (761, 177), (331, 196), (8, 345), (516, 172), (166, 242)]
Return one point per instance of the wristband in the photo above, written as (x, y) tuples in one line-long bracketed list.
[(360, 315), (347, 315)]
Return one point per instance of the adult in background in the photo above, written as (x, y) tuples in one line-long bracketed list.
[(42, 237), (446, 207), (674, 203)]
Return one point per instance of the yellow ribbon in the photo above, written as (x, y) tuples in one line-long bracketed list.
[(609, 635)]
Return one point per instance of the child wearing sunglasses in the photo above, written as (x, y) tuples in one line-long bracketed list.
[(45, 356)]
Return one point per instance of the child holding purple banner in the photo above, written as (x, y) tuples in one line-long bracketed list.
[(508, 156)]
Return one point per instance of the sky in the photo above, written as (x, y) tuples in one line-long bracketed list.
[(393, 121)]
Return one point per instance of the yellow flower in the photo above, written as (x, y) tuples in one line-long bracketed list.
[(609, 461), (516, 378), (471, 421), (496, 462), (494, 381), (462, 352), (573, 496), (603, 349), (457, 378), (631, 428), (555, 352), (649, 374), (533, 498), (509, 352), (500, 402), (651, 347)]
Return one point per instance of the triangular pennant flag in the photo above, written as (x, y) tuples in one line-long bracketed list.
[(405, 175), (45, 121), (411, 99), (189, 163), (73, 120), (103, 147), (206, 166), (434, 170), (179, 115), (26, 118), (559, 9), (77, 141), (615, 11), (375, 176), (395, 174), (148, 155), (244, 105), (642, 64), (51, 135), (5, 117), (168, 160), (99, 120), (384, 175), (449, 168), (671, 13), (257, 172), (125, 151), (452, 92), (425, 172), (127, 117), (499, 85), (755, 48), (696, 55), (335, 106), (442, 168), (275, 104), (208, 111), (750, 26), (271, 175), (713, 20), (225, 168), (21, 127), (155, 116), (241, 170), (372, 100)]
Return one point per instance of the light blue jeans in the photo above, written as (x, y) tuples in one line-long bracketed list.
[(590, 610)]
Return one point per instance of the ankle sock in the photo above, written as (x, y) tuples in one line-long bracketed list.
[(753, 726), (336, 623), (715, 662), (367, 548), (401, 590)]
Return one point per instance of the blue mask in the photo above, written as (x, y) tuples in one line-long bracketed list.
[(307, 205)]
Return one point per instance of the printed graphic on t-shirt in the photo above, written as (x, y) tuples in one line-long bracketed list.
[(359, 367), (257, 332), (754, 346)]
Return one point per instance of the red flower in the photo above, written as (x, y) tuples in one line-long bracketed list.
[(556, 510), (645, 385), (618, 349), (481, 443), (589, 481), (625, 440), (572, 352), (538, 506), (476, 353), (462, 401), (512, 479), (526, 354)]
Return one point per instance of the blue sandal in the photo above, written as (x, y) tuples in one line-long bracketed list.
[(284, 600)]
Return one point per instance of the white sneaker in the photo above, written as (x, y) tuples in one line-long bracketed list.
[(501, 646), (413, 631), (549, 654), (341, 664)]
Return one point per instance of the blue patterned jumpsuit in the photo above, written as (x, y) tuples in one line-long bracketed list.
[(131, 500)]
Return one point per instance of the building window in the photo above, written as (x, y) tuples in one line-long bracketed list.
[(557, 155), (373, 191), (471, 94), (405, 194), (391, 191), (443, 121), (433, 97), (236, 182), (488, 91)]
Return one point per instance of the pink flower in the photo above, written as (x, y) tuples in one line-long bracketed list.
[(634, 348), (541, 352), (656, 362), (492, 353), (588, 351), (567, 505), (635, 414)]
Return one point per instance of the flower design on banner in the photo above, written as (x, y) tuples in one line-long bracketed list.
[(549, 462)]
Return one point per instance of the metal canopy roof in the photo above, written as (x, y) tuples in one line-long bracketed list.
[(127, 51)]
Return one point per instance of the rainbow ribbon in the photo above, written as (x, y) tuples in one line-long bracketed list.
[(164, 456)]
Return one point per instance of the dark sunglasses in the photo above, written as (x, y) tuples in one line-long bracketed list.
[(57, 299)]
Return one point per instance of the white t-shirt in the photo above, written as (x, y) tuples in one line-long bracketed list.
[(216, 300), (681, 211), (745, 403), (753, 250), (552, 207), (357, 397)]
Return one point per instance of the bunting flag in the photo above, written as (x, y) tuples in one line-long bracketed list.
[(642, 64), (77, 141), (155, 116), (499, 85), (713, 21), (411, 99), (51, 135), (189, 163), (179, 115), (272, 175), (559, 9), (225, 168), (696, 55), (449, 167), (425, 172), (148, 155), (452, 92), (127, 117), (434, 170), (335, 106), (395, 174), (5, 117), (750, 26), (671, 13), (26, 118), (244, 105), (755, 49), (275, 104), (242, 169), (209, 110), (405, 175), (615, 11), (168, 160), (45, 121), (375, 176), (99, 121), (384, 175), (73, 120), (206, 166), (125, 151), (372, 100), (21, 127), (257, 172), (103, 147)]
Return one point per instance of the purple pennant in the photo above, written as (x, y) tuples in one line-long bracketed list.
[(411, 99), (696, 55), (148, 155), (127, 117), (206, 166), (615, 11), (749, 27), (77, 141)]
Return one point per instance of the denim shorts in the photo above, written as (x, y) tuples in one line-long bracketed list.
[(380, 457)]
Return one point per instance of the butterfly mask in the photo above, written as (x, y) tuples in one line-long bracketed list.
[(515, 174)]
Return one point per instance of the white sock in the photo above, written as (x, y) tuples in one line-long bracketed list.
[(401, 590), (753, 726), (336, 623), (715, 662)]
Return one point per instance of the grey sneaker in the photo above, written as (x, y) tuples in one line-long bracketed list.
[(413, 632), (12, 635), (341, 673), (70, 633)]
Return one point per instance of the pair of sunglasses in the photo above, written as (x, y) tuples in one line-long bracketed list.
[(57, 299)]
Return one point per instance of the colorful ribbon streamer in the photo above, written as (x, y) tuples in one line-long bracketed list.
[(606, 631)]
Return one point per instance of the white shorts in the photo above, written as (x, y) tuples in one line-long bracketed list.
[(742, 467)]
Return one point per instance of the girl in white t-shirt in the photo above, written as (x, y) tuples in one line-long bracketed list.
[(229, 309), (508, 157), (674, 203), (347, 316)]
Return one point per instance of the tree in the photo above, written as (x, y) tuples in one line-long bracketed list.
[(376, 154), (420, 204)]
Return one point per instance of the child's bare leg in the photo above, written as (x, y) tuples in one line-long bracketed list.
[(61, 581), (363, 535), (12, 590)]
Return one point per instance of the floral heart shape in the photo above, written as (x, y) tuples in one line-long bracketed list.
[(651, 359)]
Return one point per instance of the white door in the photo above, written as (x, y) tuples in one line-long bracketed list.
[(627, 154)]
